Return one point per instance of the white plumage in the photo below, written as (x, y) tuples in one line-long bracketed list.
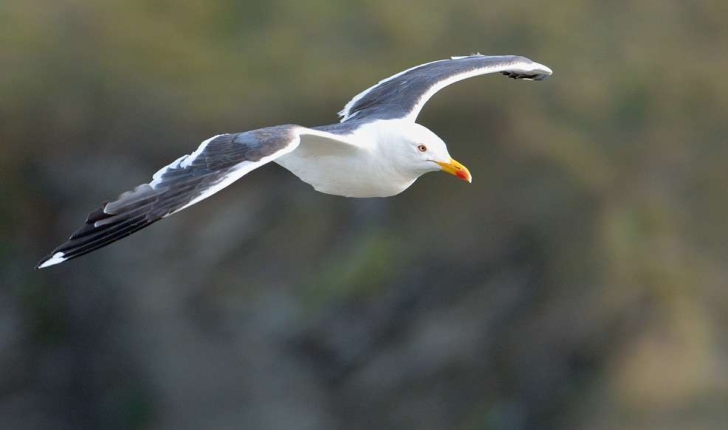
[(376, 151)]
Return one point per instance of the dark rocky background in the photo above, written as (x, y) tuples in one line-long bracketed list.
[(578, 283)]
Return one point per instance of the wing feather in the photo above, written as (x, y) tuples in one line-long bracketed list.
[(403, 95), (217, 162)]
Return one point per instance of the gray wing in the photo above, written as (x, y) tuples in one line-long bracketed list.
[(403, 95), (218, 162)]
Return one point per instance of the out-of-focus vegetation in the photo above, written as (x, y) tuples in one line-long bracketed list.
[(578, 283)]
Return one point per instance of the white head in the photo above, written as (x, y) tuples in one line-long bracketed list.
[(418, 151)]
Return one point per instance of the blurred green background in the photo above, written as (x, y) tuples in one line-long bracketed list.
[(578, 283)]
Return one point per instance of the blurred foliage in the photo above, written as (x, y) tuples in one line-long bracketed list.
[(579, 282)]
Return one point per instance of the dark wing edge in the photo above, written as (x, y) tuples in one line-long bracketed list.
[(403, 95), (217, 162)]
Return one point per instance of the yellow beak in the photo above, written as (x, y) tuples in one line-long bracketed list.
[(456, 169)]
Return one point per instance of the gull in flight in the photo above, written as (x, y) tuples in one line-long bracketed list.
[(376, 150)]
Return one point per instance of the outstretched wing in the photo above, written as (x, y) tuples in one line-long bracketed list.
[(218, 162), (403, 95)]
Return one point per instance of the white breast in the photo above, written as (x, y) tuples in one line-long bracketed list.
[(348, 175), (360, 164)]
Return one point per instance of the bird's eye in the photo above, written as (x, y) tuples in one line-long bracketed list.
[(421, 148)]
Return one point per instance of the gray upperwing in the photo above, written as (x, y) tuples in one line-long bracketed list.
[(218, 162), (404, 94)]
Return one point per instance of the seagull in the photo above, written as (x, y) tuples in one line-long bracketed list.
[(376, 150)]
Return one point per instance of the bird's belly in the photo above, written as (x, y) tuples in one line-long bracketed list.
[(343, 177)]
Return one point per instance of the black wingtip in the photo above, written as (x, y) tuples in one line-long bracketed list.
[(43, 260)]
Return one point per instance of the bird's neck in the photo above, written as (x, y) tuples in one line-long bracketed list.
[(385, 142), (384, 138)]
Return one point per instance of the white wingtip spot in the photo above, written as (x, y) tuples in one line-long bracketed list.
[(57, 258)]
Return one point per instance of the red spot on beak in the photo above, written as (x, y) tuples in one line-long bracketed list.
[(456, 169)]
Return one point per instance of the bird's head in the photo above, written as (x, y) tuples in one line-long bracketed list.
[(423, 151)]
